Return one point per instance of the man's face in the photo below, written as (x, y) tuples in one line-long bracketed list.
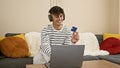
[(57, 19)]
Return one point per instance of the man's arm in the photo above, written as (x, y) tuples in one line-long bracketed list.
[(45, 42)]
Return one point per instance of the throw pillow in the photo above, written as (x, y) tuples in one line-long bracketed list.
[(108, 35), (112, 45), (14, 47), (21, 36), (1, 38)]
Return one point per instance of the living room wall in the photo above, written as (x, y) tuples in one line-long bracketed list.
[(97, 16), (88, 15), (114, 16)]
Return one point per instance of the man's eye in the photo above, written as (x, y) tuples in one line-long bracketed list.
[(61, 15)]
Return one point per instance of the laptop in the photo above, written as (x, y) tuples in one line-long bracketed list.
[(69, 56)]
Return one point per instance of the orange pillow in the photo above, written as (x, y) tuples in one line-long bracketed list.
[(14, 47)]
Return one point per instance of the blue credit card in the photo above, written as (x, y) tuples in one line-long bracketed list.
[(74, 29)]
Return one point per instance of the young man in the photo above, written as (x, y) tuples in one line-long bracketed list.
[(55, 34)]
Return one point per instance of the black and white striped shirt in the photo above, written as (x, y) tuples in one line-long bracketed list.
[(50, 36)]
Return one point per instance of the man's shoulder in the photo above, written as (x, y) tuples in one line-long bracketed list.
[(46, 30), (48, 27)]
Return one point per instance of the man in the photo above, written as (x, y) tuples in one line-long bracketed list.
[(56, 33)]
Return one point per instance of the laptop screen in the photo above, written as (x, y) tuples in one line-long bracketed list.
[(70, 56)]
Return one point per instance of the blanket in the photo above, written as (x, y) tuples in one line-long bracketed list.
[(91, 44), (34, 41)]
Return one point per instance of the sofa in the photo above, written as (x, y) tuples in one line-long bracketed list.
[(112, 58), (6, 62)]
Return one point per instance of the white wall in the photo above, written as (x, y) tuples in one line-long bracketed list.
[(32, 15), (114, 16), (119, 16), (23, 15), (88, 15)]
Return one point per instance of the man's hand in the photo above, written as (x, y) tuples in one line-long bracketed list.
[(75, 37)]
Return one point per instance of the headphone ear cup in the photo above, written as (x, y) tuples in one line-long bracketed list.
[(50, 17), (64, 17)]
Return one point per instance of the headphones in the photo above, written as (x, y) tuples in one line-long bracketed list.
[(50, 17)]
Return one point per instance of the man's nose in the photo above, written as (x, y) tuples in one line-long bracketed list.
[(59, 18)]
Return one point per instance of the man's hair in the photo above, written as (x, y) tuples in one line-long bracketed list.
[(56, 10)]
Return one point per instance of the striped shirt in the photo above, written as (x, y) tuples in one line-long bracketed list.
[(50, 36)]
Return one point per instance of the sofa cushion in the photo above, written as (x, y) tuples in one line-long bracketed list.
[(111, 58), (15, 62), (89, 57), (112, 45), (11, 34), (99, 38), (14, 47)]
